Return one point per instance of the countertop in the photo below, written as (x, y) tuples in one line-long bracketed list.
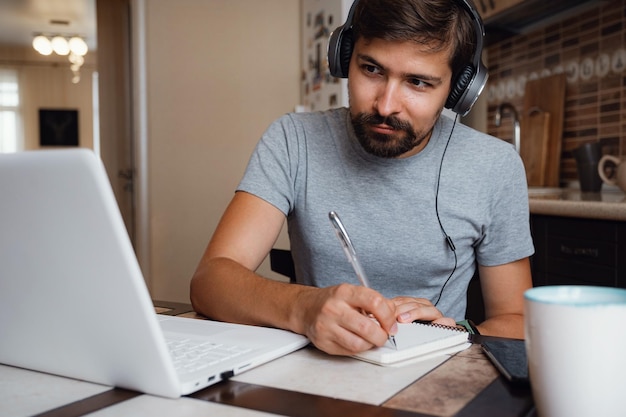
[(609, 204)]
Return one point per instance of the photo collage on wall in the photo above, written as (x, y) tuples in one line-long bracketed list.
[(320, 90)]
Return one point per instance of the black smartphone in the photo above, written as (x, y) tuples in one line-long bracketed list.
[(509, 356)]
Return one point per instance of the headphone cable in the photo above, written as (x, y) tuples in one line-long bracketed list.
[(448, 238)]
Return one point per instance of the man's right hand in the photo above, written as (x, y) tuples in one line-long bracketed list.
[(345, 319)]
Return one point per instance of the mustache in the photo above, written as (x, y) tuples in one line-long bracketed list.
[(377, 119)]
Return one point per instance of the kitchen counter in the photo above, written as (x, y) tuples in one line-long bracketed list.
[(609, 204)]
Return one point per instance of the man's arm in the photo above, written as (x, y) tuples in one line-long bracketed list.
[(503, 289), (225, 287)]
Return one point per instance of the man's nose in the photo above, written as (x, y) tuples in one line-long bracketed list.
[(388, 99)]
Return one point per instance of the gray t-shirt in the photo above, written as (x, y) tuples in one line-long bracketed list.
[(308, 164)]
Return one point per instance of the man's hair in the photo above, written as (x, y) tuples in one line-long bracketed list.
[(436, 24)]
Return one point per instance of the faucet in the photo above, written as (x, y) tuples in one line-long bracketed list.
[(511, 110)]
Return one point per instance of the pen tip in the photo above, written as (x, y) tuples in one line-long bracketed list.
[(392, 339)]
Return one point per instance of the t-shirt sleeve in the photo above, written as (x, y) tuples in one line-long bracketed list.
[(507, 237), (270, 174)]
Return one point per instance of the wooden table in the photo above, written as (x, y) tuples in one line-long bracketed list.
[(466, 385)]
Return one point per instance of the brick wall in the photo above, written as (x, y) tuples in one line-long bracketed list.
[(590, 48)]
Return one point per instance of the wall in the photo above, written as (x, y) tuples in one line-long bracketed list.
[(591, 49), (217, 72), (46, 82), (115, 107)]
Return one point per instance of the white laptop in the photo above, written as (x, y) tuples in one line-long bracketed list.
[(73, 301)]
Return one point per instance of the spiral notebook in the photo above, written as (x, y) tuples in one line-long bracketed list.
[(417, 341)]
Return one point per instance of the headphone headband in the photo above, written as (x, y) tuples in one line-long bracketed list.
[(465, 88)]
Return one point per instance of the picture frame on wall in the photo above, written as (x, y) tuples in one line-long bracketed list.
[(58, 127)]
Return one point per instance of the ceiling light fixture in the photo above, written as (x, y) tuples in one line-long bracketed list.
[(42, 45), (75, 47), (60, 45), (78, 46)]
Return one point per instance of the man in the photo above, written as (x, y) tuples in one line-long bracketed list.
[(424, 199)]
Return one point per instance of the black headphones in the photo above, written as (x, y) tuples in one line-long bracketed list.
[(467, 86)]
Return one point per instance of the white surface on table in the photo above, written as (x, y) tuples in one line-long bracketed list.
[(24, 392), (311, 371)]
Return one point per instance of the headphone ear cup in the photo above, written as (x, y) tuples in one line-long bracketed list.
[(345, 52), (339, 52), (340, 46), (460, 85)]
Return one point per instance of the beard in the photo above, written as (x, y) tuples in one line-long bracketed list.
[(403, 139)]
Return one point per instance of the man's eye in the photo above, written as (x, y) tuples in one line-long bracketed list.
[(419, 83), (371, 69)]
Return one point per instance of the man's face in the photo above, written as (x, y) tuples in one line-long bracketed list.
[(397, 91)]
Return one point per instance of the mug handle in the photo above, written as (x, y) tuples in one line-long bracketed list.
[(615, 160)]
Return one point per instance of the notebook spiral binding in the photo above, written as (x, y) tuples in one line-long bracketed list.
[(441, 326)]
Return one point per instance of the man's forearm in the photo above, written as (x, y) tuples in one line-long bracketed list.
[(506, 325), (224, 290)]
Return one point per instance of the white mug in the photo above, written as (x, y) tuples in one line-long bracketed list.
[(576, 347), (619, 177)]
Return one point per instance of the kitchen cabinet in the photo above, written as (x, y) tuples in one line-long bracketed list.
[(489, 8), (578, 251), (569, 251), (504, 18)]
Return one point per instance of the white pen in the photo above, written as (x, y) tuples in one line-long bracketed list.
[(348, 249)]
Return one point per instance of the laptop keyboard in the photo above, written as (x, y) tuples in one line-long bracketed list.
[(194, 355)]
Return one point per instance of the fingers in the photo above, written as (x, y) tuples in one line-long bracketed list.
[(336, 323), (373, 304), (345, 336), (409, 309)]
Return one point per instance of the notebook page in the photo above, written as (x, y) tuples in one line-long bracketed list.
[(415, 340)]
